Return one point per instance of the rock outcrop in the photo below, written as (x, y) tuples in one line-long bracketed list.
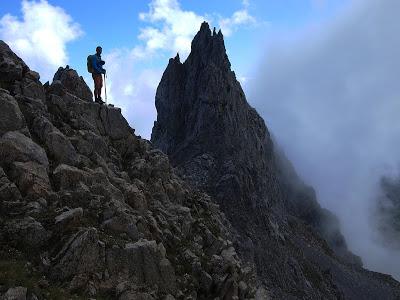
[(219, 143), (73, 83), (90, 210)]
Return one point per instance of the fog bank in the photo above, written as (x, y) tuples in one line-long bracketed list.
[(332, 99)]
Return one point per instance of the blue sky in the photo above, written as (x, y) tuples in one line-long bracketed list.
[(125, 29)]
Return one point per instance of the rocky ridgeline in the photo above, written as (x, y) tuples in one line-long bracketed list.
[(219, 143), (89, 210)]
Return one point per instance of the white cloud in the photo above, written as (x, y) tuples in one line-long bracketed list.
[(172, 28), (132, 88), (332, 99), (41, 36), (239, 18)]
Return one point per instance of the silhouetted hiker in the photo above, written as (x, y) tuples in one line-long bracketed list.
[(95, 66)]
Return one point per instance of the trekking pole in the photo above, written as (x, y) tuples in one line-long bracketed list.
[(105, 88)]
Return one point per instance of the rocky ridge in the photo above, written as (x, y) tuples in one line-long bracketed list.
[(219, 143), (90, 210)]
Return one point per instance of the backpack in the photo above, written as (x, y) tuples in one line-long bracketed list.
[(90, 64)]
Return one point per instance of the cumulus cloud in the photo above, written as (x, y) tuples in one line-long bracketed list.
[(239, 18), (172, 27), (40, 37), (333, 102), (132, 88)]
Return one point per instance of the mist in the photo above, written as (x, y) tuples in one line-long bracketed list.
[(331, 97)]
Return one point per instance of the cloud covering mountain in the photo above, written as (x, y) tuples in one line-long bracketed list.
[(332, 99)]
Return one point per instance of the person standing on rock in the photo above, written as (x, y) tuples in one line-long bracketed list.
[(95, 66)]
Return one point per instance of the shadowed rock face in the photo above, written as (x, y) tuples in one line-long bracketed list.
[(73, 83), (219, 144), (87, 208)]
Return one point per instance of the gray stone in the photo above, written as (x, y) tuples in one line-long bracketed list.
[(31, 108), (31, 178), (145, 263), (27, 232), (82, 253), (135, 198), (88, 143), (57, 144), (11, 117), (14, 146), (35, 76), (60, 148), (69, 219), (16, 293), (67, 177), (32, 89), (73, 83), (8, 190)]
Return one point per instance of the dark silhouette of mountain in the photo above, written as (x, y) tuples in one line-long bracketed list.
[(219, 144)]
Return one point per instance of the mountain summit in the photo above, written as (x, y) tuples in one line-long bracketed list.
[(219, 144)]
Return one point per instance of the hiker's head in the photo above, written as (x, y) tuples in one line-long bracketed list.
[(98, 50)]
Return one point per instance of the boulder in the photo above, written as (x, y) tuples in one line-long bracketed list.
[(26, 232), (82, 253), (11, 118), (60, 148), (144, 261), (73, 83), (31, 178), (32, 88), (69, 219), (14, 146), (8, 190), (68, 177), (16, 293), (31, 107), (135, 198), (88, 143)]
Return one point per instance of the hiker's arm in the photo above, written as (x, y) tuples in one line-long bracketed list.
[(95, 66)]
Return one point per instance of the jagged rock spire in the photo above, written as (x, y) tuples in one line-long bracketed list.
[(207, 47), (219, 143)]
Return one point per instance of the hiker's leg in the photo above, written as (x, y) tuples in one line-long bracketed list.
[(100, 84), (95, 92)]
